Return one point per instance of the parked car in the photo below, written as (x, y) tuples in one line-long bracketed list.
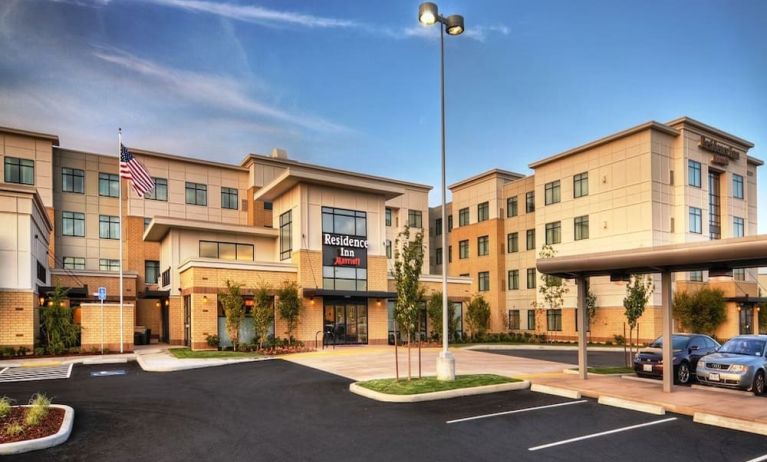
[(739, 363), (687, 350)]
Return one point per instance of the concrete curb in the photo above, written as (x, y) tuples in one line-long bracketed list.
[(731, 423), (556, 391), (47, 441), (632, 405), (533, 346), (447, 394), (641, 379), (148, 367), (94, 361)]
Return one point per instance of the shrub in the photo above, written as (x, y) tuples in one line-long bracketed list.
[(5, 406), (478, 315), (7, 352), (289, 305), (212, 340), (619, 339), (60, 330), (701, 312), (13, 429), (39, 351), (22, 351), (39, 406)]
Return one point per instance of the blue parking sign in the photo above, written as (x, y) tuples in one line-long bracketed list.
[(102, 293)]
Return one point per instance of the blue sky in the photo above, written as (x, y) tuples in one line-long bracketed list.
[(355, 84)]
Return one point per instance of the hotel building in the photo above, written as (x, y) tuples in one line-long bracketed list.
[(271, 219)]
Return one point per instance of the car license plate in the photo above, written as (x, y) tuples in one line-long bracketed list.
[(647, 367), (713, 377)]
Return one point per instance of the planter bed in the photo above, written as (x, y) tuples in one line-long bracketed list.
[(54, 429)]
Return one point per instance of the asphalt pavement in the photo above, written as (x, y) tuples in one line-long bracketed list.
[(275, 410)]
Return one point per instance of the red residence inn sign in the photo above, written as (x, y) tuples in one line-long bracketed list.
[(342, 250)]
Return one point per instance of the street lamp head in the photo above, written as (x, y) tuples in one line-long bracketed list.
[(427, 13), (454, 24)]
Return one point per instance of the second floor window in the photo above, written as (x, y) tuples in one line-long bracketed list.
[(160, 191), (530, 202), (72, 180), (483, 246), (581, 226), (463, 217), (530, 244), (20, 171), (388, 249), (196, 193), (151, 271), (74, 263), (554, 232), (511, 207), (463, 249), (513, 282), (738, 227), (483, 281), (737, 187), (414, 219), (449, 223), (109, 227), (512, 242), (286, 235), (531, 278), (226, 251), (229, 198), (388, 216), (109, 185), (581, 185), (438, 257), (552, 191), (108, 264), (483, 211), (73, 224), (438, 227), (696, 220), (693, 173)]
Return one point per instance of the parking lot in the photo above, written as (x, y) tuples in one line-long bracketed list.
[(596, 358), (276, 410)]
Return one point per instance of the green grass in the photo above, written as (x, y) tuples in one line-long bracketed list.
[(431, 384), (609, 370), (186, 353)]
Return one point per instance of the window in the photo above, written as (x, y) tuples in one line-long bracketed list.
[(450, 254), (552, 191), (693, 173), (166, 278), (268, 205), (581, 226), (286, 235), (438, 256), (106, 264), (554, 232), (20, 171), (42, 273), (463, 249), (483, 281), (388, 216), (696, 276), (147, 222), (160, 191), (196, 194), (73, 224), (530, 319), (512, 242), (463, 216), (388, 249), (511, 207), (229, 198), (483, 211), (696, 220), (581, 184), (449, 223), (226, 250), (109, 185), (72, 180), (513, 280), (737, 186), (151, 271), (483, 246), (74, 263), (109, 227), (530, 202), (554, 320), (739, 274), (530, 244), (343, 221), (514, 319), (738, 228), (531, 278), (438, 227), (414, 219)]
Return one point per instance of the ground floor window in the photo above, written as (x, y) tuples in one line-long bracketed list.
[(530, 319), (513, 319), (746, 315), (554, 320), (346, 321)]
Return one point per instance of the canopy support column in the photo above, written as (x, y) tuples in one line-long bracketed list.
[(666, 314), (583, 325)]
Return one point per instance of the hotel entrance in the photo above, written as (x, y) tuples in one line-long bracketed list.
[(346, 321)]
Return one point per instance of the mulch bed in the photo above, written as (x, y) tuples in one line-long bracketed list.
[(49, 426)]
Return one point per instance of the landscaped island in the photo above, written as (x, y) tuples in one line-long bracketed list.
[(431, 384)]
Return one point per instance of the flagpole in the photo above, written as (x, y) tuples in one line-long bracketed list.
[(120, 208)]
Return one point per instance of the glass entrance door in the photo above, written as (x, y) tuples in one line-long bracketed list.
[(346, 322)]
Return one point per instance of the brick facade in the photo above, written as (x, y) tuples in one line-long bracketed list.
[(92, 334), (19, 319)]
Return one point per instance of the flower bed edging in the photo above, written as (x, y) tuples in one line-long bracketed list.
[(47, 441), (481, 390)]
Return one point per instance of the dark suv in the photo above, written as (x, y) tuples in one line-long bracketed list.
[(687, 350)]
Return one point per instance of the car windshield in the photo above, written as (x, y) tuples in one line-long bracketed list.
[(678, 343), (743, 346)]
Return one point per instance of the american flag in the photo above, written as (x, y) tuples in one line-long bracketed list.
[(131, 169)]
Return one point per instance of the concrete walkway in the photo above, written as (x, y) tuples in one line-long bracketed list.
[(376, 362)]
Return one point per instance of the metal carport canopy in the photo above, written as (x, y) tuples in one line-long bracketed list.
[(715, 255)]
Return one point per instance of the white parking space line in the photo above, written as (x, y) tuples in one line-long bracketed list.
[(485, 416), (596, 435), (759, 459)]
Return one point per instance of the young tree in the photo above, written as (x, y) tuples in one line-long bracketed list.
[(638, 292), (701, 312), (234, 310), (263, 312), (478, 315), (552, 288), (591, 303), (57, 324), (434, 311), (289, 306), (408, 262)]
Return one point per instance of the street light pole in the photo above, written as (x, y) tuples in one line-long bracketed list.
[(428, 14)]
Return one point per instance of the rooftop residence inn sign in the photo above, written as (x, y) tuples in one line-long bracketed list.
[(722, 152), (342, 250)]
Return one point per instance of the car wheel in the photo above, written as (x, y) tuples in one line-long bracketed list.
[(758, 386), (683, 374)]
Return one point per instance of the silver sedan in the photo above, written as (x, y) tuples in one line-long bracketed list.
[(740, 363)]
